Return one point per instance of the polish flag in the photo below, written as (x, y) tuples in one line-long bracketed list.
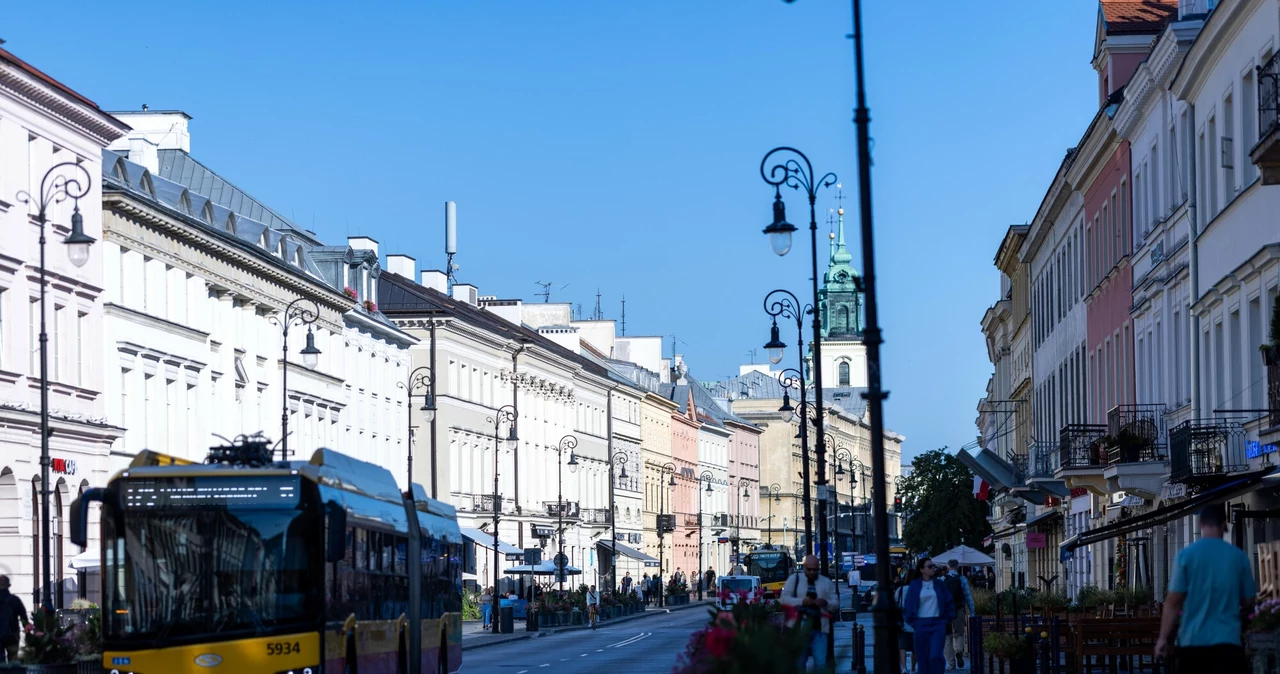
[(981, 490)]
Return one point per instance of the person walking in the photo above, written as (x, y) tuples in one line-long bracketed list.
[(962, 598), (593, 606), (906, 638), (813, 596), (12, 614), (1212, 585), (928, 609), (486, 606), (711, 580), (626, 584)]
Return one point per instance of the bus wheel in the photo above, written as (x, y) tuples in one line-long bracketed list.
[(444, 654), (350, 664)]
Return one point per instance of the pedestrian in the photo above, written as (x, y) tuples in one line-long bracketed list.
[(962, 598), (12, 613), (711, 579), (593, 605), (644, 590), (626, 584), (813, 596), (906, 645), (1212, 585), (486, 606), (928, 609)]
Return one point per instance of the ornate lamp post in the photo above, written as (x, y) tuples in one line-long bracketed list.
[(419, 385), (54, 189), (569, 443), (504, 415), (301, 311), (774, 490), (707, 477), (745, 485), (619, 459), (782, 303), (668, 467)]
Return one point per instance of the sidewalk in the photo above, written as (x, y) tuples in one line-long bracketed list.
[(474, 636)]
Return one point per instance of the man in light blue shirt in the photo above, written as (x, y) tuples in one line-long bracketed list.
[(958, 585), (1212, 585)]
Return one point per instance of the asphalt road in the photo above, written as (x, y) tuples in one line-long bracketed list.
[(648, 646)]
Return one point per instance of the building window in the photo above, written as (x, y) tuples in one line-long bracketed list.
[(81, 336), (33, 328), (844, 373), (55, 352)]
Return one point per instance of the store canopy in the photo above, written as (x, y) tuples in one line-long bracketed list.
[(486, 540), (543, 569), (627, 551), (85, 561), (966, 555), (996, 471), (1043, 517), (1243, 484)]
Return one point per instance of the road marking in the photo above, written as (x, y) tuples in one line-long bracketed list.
[(599, 650), (546, 665), (583, 655), (523, 671), (632, 640)]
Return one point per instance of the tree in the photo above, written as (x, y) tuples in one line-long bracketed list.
[(941, 509)]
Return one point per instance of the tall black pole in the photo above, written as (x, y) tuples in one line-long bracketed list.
[(620, 457), (707, 477), (304, 312), (420, 383), (507, 414), (787, 306), (568, 442), (53, 189), (435, 493), (666, 468)]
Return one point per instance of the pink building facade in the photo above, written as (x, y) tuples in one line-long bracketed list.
[(1109, 243), (744, 478), (684, 496)]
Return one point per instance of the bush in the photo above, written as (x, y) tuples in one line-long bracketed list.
[(1052, 601), (1004, 646), (984, 601), (46, 641), (470, 606)]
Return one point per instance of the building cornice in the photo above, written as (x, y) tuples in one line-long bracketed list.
[(1205, 52), (135, 316), (90, 122), (1094, 151), (1154, 76)]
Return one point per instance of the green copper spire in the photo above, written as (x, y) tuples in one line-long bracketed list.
[(841, 294)]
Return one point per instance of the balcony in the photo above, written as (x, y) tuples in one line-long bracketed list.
[(1021, 464), (1201, 450), (483, 503), (1041, 464), (1273, 389), (1135, 434), (1082, 457), (1266, 154), (570, 509), (596, 516)]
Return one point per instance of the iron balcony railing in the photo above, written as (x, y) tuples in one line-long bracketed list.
[(1273, 387), (595, 516), (1080, 445), (1200, 448), (483, 503), (1043, 459), (1021, 463), (1135, 434), (1269, 97), (553, 508)]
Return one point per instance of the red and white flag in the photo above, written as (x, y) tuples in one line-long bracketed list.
[(981, 490)]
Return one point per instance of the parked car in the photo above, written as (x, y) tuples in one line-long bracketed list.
[(733, 589)]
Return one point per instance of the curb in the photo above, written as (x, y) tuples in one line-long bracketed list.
[(578, 628)]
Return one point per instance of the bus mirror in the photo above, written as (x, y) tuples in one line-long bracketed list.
[(336, 548), (80, 514)]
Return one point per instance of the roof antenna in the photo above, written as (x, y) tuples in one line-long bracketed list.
[(598, 314), (624, 315), (450, 241)]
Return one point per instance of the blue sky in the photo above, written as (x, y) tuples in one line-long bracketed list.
[(616, 145)]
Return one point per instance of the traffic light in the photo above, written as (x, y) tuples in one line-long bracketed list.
[(897, 503)]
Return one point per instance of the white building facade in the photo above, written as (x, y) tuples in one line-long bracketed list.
[(43, 124)]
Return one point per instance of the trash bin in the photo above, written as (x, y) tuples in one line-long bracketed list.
[(530, 619), (507, 620)]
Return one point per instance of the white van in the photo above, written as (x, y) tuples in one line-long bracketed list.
[(733, 589)]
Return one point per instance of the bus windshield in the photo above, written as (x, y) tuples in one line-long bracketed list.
[(772, 566), (190, 557)]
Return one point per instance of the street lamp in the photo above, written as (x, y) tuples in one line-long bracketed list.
[(301, 311), (504, 415), (54, 189), (419, 385), (794, 170), (619, 459), (774, 490), (668, 467), (788, 378), (707, 477), (569, 443)]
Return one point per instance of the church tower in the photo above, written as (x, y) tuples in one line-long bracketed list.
[(843, 353)]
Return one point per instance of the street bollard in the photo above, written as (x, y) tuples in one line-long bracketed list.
[(859, 659), (1044, 653)]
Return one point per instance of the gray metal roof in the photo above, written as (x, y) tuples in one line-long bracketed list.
[(758, 385)]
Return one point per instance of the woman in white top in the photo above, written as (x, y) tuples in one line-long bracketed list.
[(929, 608)]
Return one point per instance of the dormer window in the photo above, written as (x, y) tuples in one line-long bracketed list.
[(297, 257), (280, 248)]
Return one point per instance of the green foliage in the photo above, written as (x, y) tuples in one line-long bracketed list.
[(1051, 601), (941, 510), (1091, 597), (470, 606), (46, 641), (1005, 646), (984, 601), (752, 638), (1137, 596)]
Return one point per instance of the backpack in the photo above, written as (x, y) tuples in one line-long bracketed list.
[(957, 590)]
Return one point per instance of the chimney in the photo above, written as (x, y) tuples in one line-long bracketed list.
[(363, 243), (435, 280), (402, 265), (465, 292)]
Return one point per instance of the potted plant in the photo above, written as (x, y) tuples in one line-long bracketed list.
[(47, 647), (752, 637), (1264, 621), (984, 602), (349, 292), (1011, 648), (370, 306)]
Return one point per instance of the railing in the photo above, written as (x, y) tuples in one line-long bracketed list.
[(1273, 387), (1079, 445), (553, 508), (595, 516), (1042, 461), (1136, 433), (1269, 97), (483, 503), (1206, 447), (1021, 463), (691, 520)]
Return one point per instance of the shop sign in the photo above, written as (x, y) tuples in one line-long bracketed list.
[(1254, 449), (1078, 492), (1172, 491), (64, 466), (1037, 541)]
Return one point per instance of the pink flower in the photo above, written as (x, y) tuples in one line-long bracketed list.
[(720, 642)]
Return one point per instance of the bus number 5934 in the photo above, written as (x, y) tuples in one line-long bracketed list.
[(283, 648)]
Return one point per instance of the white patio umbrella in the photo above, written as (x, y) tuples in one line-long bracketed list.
[(543, 569), (966, 555)]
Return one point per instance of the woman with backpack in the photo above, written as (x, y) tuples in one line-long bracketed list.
[(928, 609), (906, 638)]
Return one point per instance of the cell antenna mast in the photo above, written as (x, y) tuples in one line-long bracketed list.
[(450, 241), (598, 314), (546, 290), (624, 315)]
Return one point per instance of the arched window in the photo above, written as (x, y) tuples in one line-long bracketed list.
[(844, 319), (844, 373)]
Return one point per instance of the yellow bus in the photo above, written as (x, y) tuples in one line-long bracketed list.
[(772, 566), (246, 565)]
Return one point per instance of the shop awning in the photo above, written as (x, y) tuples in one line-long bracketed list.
[(85, 561), (486, 540), (1243, 484), (997, 472), (1044, 517), (628, 551)]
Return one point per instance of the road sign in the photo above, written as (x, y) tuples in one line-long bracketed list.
[(561, 560), (533, 556)]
